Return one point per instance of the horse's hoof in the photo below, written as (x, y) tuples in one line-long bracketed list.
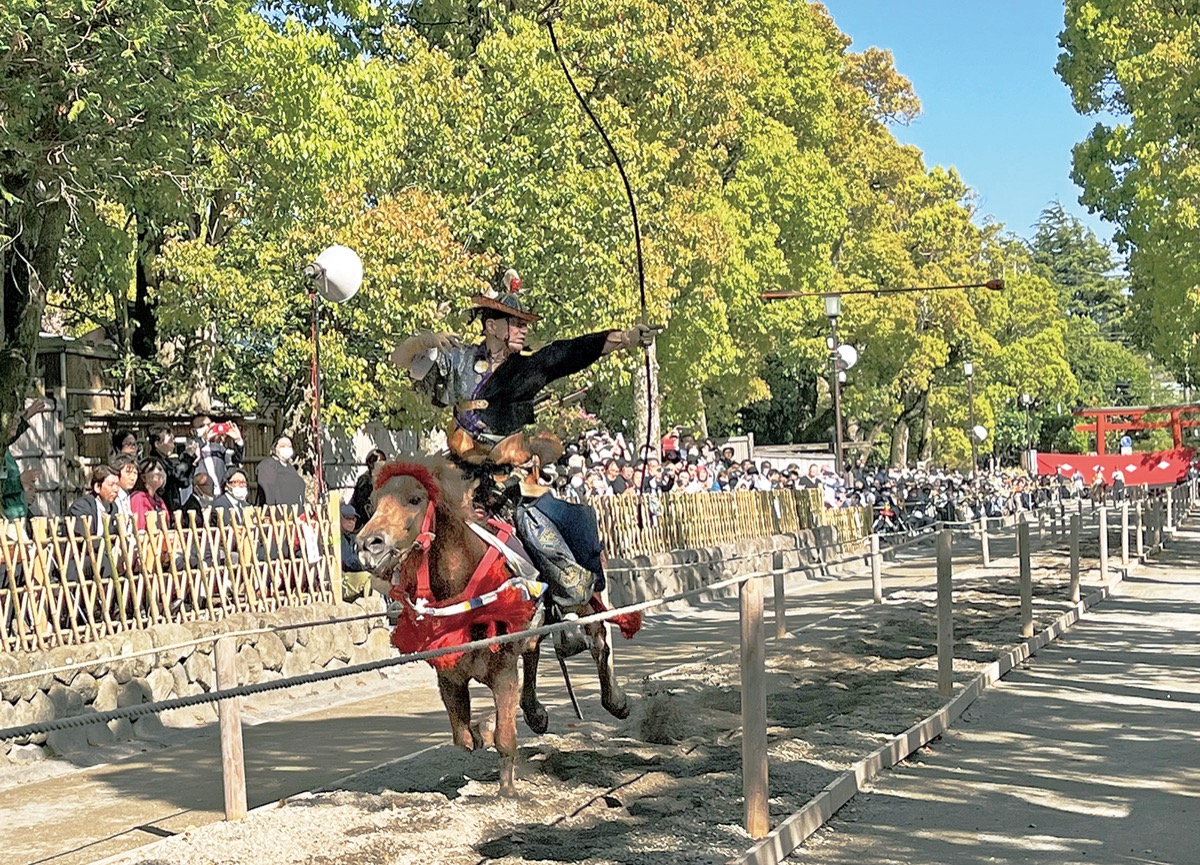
[(508, 791), (538, 720), (619, 710)]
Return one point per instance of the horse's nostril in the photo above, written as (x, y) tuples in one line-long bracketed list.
[(370, 543)]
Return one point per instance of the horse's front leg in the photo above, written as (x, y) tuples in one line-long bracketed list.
[(612, 695), (456, 697), (535, 713), (506, 693)]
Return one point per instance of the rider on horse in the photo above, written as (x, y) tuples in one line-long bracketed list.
[(492, 388)]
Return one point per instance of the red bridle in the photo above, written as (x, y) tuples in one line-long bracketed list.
[(424, 539)]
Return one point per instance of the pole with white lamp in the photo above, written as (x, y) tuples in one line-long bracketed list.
[(969, 372), (833, 308), (336, 275)]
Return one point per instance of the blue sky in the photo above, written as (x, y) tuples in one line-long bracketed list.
[(992, 105)]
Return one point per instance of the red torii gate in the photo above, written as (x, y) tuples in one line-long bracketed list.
[(1103, 420)]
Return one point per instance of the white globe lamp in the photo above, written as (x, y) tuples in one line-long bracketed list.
[(338, 273)]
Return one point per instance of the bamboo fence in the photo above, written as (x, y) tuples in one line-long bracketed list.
[(62, 585), (681, 521)]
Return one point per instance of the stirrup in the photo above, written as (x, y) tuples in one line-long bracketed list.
[(570, 641)]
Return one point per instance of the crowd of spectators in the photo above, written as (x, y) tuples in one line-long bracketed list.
[(902, 500)]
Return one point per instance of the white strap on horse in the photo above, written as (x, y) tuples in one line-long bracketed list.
[(530, 590), (520, 565)]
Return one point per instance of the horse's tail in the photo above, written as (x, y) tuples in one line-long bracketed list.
[(629, 623)]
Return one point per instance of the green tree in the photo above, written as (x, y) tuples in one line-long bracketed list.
[(98, 100), (1082, 265), (1134, 65)]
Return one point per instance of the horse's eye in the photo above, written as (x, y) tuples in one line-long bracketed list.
[(415, 500)]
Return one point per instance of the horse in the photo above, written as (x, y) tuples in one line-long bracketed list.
[(420, 542)]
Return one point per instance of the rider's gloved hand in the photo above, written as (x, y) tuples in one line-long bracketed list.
[(440, 341), (408, 350), (640, 336)]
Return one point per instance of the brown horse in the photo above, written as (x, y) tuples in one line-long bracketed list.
[(421, 519)]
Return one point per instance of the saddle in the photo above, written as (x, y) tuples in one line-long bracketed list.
[(512, 451)]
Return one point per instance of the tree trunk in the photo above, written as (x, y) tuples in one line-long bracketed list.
[(647, 404), (28, 269), (902, 429), (899, 452), (143, 340)]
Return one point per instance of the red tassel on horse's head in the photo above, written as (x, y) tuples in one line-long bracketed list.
[(413, 470)]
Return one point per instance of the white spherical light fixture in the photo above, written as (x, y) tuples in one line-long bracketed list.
[(338, 273)]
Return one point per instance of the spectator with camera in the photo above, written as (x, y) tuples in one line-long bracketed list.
[(177, 462), (220, 448)]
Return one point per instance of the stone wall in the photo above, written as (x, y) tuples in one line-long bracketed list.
[(175, 673)]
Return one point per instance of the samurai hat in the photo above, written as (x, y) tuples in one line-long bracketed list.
[(508, 304)]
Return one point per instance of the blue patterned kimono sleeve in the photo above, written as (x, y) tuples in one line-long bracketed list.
[(442, 381)]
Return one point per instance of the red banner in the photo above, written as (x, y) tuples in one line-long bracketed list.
[(1155, 469)]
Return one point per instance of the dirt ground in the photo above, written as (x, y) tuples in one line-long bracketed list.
[(663, 786)]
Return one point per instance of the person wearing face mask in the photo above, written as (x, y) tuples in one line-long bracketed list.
[(574, 490), (231, 503), (278, 481)]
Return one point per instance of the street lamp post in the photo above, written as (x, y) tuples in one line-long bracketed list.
[(833, 308), (969, 372), (336, 275), (1027, 402)]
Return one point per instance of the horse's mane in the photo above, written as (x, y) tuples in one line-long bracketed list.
[(445, 485)]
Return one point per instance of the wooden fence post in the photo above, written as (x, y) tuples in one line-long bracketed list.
[(754, 710), (233, 766), (1041, 523), (1076, 530), (1140, 534), (1170, 509), (1026, 578), (335, 528), (983, 540), (945, 613), (1125, 534), (1103, 544), (876, 571), (780, 607)]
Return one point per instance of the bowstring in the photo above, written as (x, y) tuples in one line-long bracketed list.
[(548, 15)]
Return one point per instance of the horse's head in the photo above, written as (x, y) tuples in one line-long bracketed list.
[(410, 497)]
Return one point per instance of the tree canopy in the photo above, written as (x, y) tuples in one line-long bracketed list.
[(167, 168)]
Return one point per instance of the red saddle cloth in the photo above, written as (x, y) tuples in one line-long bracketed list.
[(512, 608)]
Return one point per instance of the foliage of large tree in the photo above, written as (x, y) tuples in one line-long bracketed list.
[(441, 141), (98, 102), (1135, 64)]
